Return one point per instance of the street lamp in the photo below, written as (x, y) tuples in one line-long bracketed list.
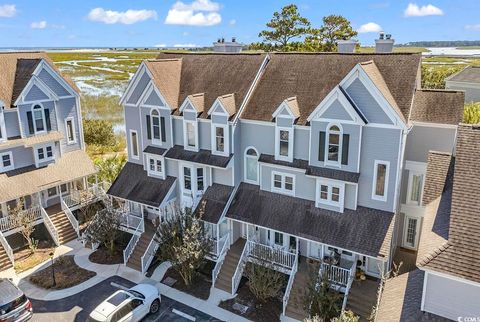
[(53, 271)]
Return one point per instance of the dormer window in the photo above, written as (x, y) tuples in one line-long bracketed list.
[(190, 138), (334, 144), (330, 193), (220, 144), (284, 144)]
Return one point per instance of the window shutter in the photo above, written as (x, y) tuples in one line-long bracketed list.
[(345, 143), (162, 128), (321, 146), (30, 122), (149, 128), (47, 119)]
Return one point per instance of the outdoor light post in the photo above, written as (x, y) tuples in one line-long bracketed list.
[(53, 270)]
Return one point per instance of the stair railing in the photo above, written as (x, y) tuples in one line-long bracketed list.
[(149, 254), (221, 256), (349, 285), (70, 216), (50, 226), (132, 243), (7, 248), (240, 267), (286, 296)]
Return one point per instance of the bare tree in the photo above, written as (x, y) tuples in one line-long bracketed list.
[(264, 281), (21, 220), (104, 230)]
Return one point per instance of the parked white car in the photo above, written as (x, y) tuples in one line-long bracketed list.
[(128, 305)]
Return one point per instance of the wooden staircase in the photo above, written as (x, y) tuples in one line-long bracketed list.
[(135, 259), (363, 297), (63, 226), (5, 262), (294, 308), (224, 279)]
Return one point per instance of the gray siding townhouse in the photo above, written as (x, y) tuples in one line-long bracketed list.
[(446, 285), (43, 165), (468, 80), (293, 159)]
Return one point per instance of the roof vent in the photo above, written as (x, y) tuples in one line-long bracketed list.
[(384, 43)]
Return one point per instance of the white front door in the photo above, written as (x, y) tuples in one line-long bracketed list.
[(193, 184), (410, 232)]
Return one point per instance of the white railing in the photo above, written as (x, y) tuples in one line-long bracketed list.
[(336, 274), (131, 221), (70, 216), (225, 242), (349, 285), (149, 254), (7, 248), (237, 276), (10, 222), (132, 243), (50, 226), (286, 296), (273, 255), (79, 198)]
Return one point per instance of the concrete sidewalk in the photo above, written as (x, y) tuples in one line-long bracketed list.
[(81, 255)]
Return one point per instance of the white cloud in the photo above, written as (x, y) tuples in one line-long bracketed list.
[(161, 46), (126, 17), (184, 45), (197, 13), (38, 24), (232, 22), (8, 10), (473, 27), (413, 10), (369, 27)]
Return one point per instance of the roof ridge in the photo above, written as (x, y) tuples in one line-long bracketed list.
[(440, 90), (433, 254)]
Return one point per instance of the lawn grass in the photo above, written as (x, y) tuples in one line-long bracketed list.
[(67, 274)]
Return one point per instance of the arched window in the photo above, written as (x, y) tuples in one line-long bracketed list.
[(39, 118), (251, 165), (334, 143), (155, 125)]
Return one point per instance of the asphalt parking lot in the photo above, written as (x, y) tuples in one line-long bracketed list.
[(78, 307)]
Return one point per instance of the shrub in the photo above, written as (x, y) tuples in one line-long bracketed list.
[(263, 281), (433, 77), (99, 132), (471, 114), (109, 168)]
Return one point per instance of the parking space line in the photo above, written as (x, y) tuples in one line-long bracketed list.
[(185, 315)]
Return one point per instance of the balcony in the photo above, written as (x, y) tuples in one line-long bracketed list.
[(77, 199), (10, 224)]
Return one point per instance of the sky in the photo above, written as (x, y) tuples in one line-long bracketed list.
[(165, 23)]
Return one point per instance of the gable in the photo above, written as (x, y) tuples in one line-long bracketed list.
[(336, 111), (219, 109), (139, 89), (153, 99), (367, 104), (35, 94), (52, 83), (284, 112)]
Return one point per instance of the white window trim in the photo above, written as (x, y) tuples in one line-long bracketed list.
[(72, 120), (156, 141), (329, 202), (374, 183), (283, 190), (11, 167), (136, 157), (411, 173), (3, 128), (156, 158), (185, 137), (247, 156), (42, 111), (289, 157), (226, 139), (337, 163), (46, 158)]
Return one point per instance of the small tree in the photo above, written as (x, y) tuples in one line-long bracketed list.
[(320, 298), (183, 243), (99, 132), (325, 38), (109, 168), (263, 281), (21, 220), (104, 230), (347, 316)]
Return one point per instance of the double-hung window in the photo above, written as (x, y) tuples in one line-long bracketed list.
[(330, 193), (415, 187), (284, 144), (187, 178), (220, 139), (6, 161), (380, 180), (283, 183), (190, 139), (70, 129), (251, 166), (155, 125), (334, 144), (39, 121), (155, 165), (200, 181), (44, 154), (134, 144)]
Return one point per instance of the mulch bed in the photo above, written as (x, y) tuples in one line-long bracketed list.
[(257, 311), (200, 287), (67, 274), (103, 256)]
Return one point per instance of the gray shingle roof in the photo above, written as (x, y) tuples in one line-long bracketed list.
[(214, 201), (134, 184), (438, 106), (154, 150), (202, 156), (365, 230), (470, 74)]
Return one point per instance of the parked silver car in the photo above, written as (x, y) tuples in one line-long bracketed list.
[(14, 305)]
